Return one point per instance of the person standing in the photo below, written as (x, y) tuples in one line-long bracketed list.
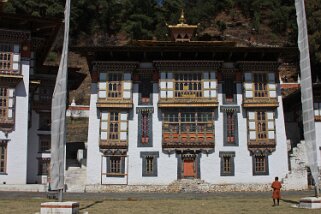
[(276, 185)]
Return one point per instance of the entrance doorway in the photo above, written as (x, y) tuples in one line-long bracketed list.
[(189, 166), (189, 169)]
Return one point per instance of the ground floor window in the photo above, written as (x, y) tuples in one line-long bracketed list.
[(3, 156), (43, 166), (115, 166), (149, 163), (260, 165), (227, 163)]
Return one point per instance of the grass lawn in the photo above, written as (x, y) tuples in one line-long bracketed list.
[(220, 204)]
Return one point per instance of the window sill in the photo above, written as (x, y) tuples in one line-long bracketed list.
[(3, 173)]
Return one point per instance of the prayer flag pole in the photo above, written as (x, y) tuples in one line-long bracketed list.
[(58, 116), (306, 94)]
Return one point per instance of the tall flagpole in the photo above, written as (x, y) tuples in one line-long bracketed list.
[(306, 94), (58, 116)]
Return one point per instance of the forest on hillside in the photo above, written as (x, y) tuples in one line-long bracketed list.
[(101, 22)]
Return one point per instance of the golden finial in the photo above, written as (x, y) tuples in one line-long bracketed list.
[(182, 18)]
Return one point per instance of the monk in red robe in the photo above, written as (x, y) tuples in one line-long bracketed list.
[(276, 185)]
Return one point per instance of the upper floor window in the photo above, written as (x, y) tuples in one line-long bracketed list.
[(261, 125), (188, 85), (9, 58), (115, 87), (44, 143), (6, 103), (4, 98), (230, 127), (114, 126), (260, 85)]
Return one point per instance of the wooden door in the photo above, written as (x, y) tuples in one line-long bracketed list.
[(189, 168)]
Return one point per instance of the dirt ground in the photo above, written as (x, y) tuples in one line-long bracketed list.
[(180, 203)]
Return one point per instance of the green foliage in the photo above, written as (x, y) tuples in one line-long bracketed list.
[(145, 19)]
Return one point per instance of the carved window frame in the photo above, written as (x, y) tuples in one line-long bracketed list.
[(227, 162), (7, 103), (114, 126), (260, 85), (115, 166), (260, 164), (145, 138), (188, 84), (230, 110), (149, 164)]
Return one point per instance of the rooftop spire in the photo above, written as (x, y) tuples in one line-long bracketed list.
[(182, 19)]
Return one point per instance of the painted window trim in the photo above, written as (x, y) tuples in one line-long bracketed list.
[(149, 111), (266, 157), (144, 156), (122, 166), (235, 110), (232, 156)]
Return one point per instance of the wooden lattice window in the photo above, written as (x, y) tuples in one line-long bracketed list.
[(260, 85), (114, 85), (6, 57), (188, 85), (3, 156), (227, 163), (149, 164), (261, 125), (230, 127), (260, 165), (115, 166), (44, 143), (114, 125), (43, 166), (145, 130), (4, 100)]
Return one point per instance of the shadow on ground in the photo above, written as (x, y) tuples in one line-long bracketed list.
[(289, 201), (90, 205)]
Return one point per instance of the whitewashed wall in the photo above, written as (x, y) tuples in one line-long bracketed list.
[(93, 153), (17, 146), (318, 140), (167, 164)]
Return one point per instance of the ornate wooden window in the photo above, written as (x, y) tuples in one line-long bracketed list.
[(260, 85), (43, 166), (114, 126), (188, 85), (261, 127), (149, 164), (188, 126), (3, 156), (260, 164), (115, 166), (114, 85), (230, 125), (9, 59), (44, 143), (145, 115), (227, 163), (4, 101)]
